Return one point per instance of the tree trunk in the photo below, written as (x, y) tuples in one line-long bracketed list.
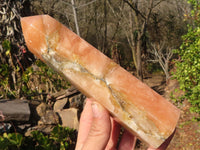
[(133, 50), (139, 60), (105, 30)]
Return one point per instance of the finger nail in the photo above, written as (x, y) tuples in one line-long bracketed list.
[(96, 110)]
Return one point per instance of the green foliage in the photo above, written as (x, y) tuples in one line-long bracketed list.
[(11, 141), (7, 45), (5, 72), (60, 138), (30, 83), (188, 68), (42, 141)]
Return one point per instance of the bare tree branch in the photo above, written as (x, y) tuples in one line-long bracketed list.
[(86, 4), (135, 9), (162, 55), (75, 17)]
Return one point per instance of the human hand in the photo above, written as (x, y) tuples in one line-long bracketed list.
[(98, 131)]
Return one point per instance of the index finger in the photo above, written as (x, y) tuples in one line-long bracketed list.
[(85, 124)]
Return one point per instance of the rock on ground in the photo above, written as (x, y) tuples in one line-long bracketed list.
[(59, 104), (15, 110), (69, 118)]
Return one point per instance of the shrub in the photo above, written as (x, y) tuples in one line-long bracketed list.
[(188, 66), (60, 138)]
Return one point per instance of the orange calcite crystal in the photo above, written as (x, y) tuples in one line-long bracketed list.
[(133, 104)]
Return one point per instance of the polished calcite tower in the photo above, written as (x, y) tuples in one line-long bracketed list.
[(133, 104)]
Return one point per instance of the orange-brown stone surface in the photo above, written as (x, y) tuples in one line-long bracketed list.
[(133, 104)]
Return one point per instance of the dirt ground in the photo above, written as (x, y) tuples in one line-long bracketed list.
[(187, 136)]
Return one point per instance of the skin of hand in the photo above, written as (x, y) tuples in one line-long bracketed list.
[(97, 130)]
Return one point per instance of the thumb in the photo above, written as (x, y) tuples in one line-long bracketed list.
[(99, 133)]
